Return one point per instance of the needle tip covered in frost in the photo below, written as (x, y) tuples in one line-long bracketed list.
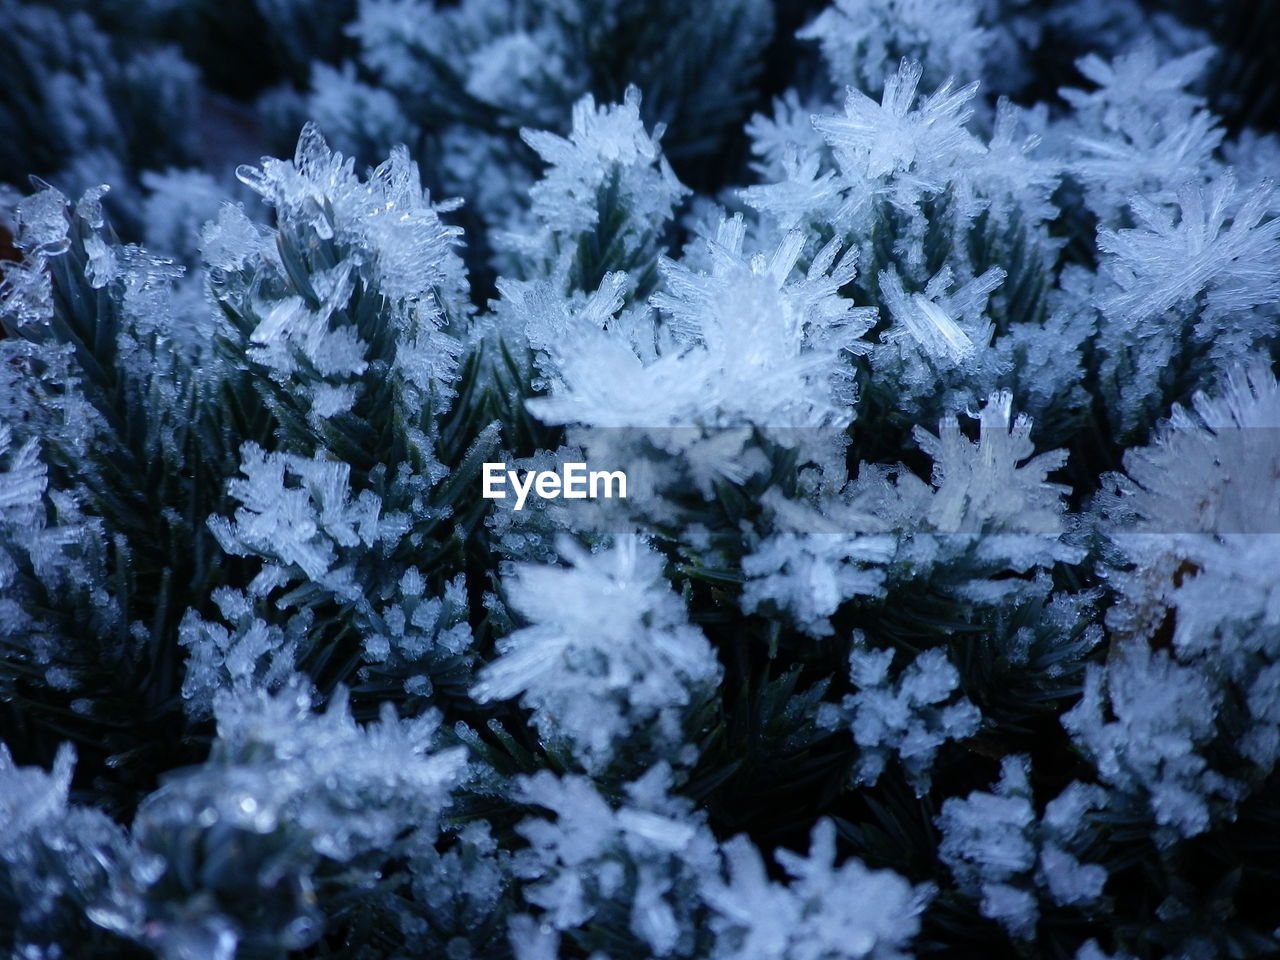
[(607, 654), (847, 911)]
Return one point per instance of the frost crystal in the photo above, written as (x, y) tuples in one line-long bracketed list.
[(23, 483), (230, 242), (1200, 522), (647, 853), (989, 513), (771, 348), (299, 512), (875, 139), (909, 716), (253, 654), (605, 142), (999, 851), (811, 574), (931, 318), (1143, 720), (745, 343), (387, 221), (57, 861), (845, 913), (1140, 131), (284, 786), (1187, 297), (862, 39), (25, 290), (986, 487), (608, 653), (48, 548), (814, 562), (1160, 263)]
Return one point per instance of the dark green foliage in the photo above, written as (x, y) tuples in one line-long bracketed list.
[(121, 434)]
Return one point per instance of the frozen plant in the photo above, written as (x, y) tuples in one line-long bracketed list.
[(294, 794), (861, 40), (910, 571), (352, 315), (299, 513), (951, 225), (603, 871), (990, 510), (1000, 851), (897, 134), (908, 716), (997, 483), (813, 562), (1202, 514), (1140, 131), (57, 861), (1183, 298), (1147, 723), (253, 654), (743, 343), (848, 911), (461, 81), (608, 656), (1193, 521), (607, 186)]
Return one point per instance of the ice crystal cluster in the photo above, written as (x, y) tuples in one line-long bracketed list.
[(937, 340)]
